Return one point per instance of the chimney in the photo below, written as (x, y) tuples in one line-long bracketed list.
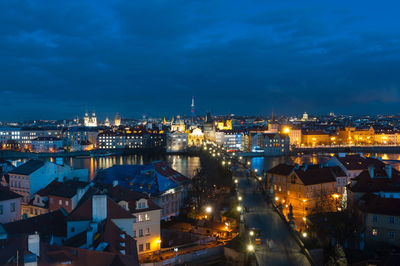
[(99, 207), (388, 169), (371, 169), (115, 183), (34, 244)]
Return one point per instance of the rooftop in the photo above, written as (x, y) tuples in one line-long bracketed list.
[(28, 168)]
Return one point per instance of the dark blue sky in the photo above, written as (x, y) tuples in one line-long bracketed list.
[(58, 58)]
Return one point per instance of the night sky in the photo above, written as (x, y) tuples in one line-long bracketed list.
[(58, 58)]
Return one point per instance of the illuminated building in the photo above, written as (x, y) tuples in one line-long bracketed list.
[(90, 121), (196, 137), (308, 189), (107, 122), (47, 144), (177, 141), (295, 135), (209, 129), (225, 125), (229, 138), (178, 125), (117, 120), (130, 140), (276, 144), (357, 136), (387, 137), (305, 117), (315, 138)]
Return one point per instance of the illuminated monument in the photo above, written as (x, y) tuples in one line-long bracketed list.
[(90, 121)]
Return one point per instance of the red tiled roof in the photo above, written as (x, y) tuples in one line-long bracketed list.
[(356, 162), (84, 211), (380, 181), (315, 176), (119, 193), (281, 169)]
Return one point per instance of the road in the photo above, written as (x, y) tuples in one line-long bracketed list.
[(284, 250)]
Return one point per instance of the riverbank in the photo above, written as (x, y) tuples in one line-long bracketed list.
[(11, 154)]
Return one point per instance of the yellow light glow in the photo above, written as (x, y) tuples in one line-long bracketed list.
[(286, 130)]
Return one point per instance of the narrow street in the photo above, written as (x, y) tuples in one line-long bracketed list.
[(283, 249)]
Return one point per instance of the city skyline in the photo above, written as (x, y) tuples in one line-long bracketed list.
[(134, 58)]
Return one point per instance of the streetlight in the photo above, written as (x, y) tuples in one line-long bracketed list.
[(236, 181), (276, 198), (260, 178), (239, 208), (208, 209), (250, 248), (304, 234), (240, 198), (251, 233)]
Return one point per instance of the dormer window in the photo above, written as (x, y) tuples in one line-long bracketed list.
[(141, 204)]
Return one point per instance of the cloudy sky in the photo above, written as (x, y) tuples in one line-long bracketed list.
[(58, 58)]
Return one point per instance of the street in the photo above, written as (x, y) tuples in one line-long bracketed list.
[(277, 244)]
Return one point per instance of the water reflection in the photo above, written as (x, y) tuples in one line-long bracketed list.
[(186, 165), (266, 163)]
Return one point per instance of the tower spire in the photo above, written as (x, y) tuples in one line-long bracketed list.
[(192, 108)]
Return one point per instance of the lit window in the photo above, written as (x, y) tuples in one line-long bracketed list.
[(59, 202), (147, 217), (140, 218), (374, 232)]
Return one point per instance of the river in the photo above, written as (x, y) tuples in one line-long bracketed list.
[(187, 165)]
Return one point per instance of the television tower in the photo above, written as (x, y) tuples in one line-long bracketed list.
[(192, 108)]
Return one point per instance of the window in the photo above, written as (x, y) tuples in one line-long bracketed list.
[(391, 219), (140, 232), (66, 203), (148, 231), (147, 217), (374, 232), (12, 207), (147, 246), (72, 229), (59, 202), (1, 209), (140, 218), (374, 218), (392, 235), (140, 247)]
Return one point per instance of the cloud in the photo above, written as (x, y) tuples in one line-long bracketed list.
[(152, 56)]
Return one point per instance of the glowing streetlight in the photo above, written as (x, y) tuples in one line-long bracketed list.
[(260, 178), (239, 208), (236, 181), (248, 163), (276, 198), (251, 233), (286, 130), (240, 198), (250, 248), (208, 209), (304, 234)]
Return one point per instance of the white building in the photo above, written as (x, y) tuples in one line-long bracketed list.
[(90, 121), (229, 139), (46, 144), (177, 141), (34, 175)]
